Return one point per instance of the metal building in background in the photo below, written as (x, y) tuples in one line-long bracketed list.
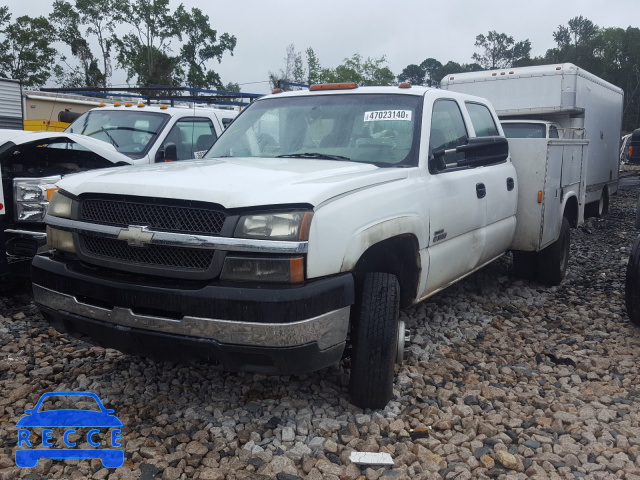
[(10, 104)]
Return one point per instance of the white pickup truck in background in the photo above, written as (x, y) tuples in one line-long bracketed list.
[(119, 134), (531, 129), (310, 222)]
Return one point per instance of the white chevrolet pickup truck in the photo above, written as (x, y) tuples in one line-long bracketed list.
[(119, 134), (295, 241)]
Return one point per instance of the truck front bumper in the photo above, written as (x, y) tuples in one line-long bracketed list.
[(265, 328)]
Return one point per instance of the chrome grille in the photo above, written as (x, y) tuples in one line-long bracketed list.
[(173, 218), (157, 255)]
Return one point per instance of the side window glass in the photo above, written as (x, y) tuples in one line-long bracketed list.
[(447, 129), (482, 120), (553, 132), (192, 136)]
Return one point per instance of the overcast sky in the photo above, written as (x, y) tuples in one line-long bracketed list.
[(405, 32)]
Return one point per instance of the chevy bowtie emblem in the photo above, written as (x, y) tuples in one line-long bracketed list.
[(136, 236)]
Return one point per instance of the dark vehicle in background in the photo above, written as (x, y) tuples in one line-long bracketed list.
[(633, 155)]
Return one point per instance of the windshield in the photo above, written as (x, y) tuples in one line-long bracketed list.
[(370, 128), (131, 132), (524, 130)]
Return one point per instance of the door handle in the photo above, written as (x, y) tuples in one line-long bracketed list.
[(481, 190), (510, 184)]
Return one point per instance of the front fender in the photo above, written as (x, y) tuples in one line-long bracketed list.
[(387, 229), (343, 229)]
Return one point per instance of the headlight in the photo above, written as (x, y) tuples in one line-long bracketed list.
[(32, 197), (60, 205), (275, 226)]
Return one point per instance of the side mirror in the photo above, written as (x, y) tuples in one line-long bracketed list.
[(169, 154), (437, 163), (484, 151)]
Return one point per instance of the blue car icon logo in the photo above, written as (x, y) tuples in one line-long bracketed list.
[(64, 428)]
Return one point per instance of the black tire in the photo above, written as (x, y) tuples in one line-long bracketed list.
[(553, 260), (638, 214), (632, 284), (374, 341), (524, 265), (603, 203), (599, 208)]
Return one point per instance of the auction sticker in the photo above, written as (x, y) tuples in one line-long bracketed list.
[(387, 115)]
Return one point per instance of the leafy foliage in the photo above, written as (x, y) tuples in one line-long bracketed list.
[(369, 71), (146, 52), (501, 51), (201, 45), (25, 50), (76, 25)]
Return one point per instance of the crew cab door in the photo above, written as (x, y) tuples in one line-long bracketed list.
[(455, 199), (500, 187)]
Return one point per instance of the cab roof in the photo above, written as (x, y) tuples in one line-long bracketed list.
[(388, 90)]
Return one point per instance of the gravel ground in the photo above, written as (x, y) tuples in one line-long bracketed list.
[(504, 378)]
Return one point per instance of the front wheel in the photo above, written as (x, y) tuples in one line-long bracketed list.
[(553, 260), (374, 338)]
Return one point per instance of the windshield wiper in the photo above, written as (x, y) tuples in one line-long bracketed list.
[(323, 156), (110, 137)]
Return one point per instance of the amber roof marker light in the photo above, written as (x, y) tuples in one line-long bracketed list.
[(332, 86)]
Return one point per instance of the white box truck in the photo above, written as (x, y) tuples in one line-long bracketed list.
[(567, 95)]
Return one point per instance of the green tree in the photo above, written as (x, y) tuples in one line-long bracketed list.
[(25, 49), (201, 46), (582, 30), (451, 67), (150, 66), (76, 25), (145, 52), (576, 43), (414, 74), (433, 72), (369, 71), (314, 69), (293, 70), (562, 36), (501, 51), (231, 87)]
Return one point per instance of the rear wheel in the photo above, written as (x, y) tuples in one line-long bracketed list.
[(375, 341), (599, 208), (553, 260), (632, 284)]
